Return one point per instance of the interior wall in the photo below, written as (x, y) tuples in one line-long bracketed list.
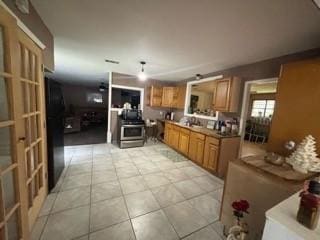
[(34, 22), (76, 95)]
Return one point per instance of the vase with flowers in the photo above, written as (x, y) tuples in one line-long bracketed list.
[(240, 230)]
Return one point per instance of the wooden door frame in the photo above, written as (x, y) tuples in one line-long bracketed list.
[(245, 105)]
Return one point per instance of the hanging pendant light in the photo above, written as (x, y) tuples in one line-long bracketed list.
[(142, 75), (198, 76)]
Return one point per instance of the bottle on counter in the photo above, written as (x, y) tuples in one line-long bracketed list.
[(172, 116), (223, 128), (309, 209)]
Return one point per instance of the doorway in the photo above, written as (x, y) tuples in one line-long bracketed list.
[(257, 110), (85, 114)]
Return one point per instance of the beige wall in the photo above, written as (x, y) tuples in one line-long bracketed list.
[(34, 22)]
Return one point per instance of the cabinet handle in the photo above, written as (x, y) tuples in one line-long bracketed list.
[(21, 139)]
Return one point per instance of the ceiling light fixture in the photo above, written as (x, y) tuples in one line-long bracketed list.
[(102, 87), (142, 75), (198, 76)]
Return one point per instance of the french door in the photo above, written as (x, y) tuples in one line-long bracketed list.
[(32, 89), (22, 147)]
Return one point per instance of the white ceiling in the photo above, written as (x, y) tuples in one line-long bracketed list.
[(177, 38)]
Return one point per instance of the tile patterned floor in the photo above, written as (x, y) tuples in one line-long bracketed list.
[(122, 194)]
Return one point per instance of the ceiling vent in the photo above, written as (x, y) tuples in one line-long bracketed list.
[(111, 61), (23, 6)]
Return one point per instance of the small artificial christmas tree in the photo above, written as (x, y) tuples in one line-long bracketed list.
[(304, 158)]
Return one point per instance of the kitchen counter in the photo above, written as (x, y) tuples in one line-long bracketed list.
[(282, 224), (204, 130)]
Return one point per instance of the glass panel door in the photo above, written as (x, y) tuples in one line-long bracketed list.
[(32, 90), (11, 209)]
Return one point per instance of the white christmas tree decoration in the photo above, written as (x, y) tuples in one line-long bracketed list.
[(304, 158)]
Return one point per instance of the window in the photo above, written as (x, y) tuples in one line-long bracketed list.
[(262, 108)]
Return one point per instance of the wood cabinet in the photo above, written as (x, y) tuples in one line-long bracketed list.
[(174, 137), (155, 96), (181, 96), (184, 139), (167, 132), (211, 153), (165, 96), (196, 148), (227, 94)]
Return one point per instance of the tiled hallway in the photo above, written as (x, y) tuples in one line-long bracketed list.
[(147, 193)]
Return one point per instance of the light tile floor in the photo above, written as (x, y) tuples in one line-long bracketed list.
[(146, 193)]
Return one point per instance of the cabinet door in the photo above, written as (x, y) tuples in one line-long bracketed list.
[(155, 96), (181, 96), (222, 95), (184, 142), (211, 156), (167, 133), (196, 148), (167, 97), (174, 138), (192, 148)]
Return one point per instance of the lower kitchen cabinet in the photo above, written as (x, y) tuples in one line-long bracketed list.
[(167, 130), (184, 139), (211, 154), (196, 148), (174, 137)]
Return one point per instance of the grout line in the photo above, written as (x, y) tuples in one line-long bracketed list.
[(125, 203), (89, 225)]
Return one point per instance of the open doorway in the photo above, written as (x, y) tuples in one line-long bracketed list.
[(256, 117), (86, 114)]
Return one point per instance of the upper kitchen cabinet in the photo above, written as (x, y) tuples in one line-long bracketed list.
[(181, 96), (167, 96), (227, 94), (155, 96)]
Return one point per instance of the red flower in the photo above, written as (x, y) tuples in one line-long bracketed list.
[(240, 206)]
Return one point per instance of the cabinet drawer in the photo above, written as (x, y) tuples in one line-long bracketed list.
[(197, 135), (212, 140), (185, 131)]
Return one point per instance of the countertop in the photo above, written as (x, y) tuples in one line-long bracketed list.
[(203, 130), (283, 224)]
